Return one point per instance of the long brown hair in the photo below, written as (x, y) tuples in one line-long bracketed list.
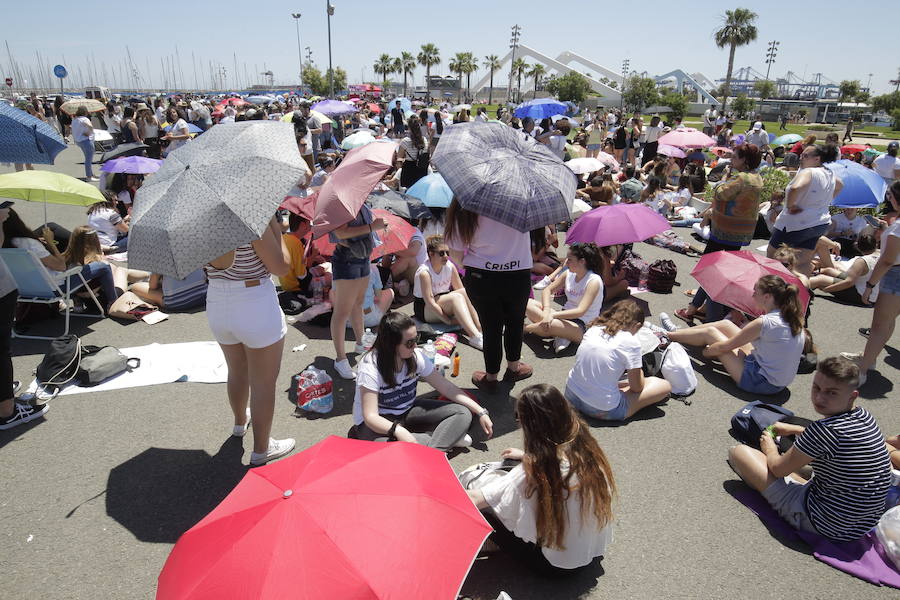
[(460, 223), (390, 335), (84, 247), (619, 317), (553, 431), (415, 133), (787, 299)]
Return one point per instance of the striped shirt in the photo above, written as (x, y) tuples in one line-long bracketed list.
[(246, 266), (852, 473)]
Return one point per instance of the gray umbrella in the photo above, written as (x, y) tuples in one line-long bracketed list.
[(212, 195), (501, 173), (399, 204), (133, 149)]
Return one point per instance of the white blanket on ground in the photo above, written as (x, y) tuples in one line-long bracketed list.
[(198, 362)]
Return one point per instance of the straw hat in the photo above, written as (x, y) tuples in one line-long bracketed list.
[(141, 106)]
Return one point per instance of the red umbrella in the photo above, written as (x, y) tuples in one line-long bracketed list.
[(305, 207), (345, 191), (233, 102), (373, 108), (721, 151), (394, 239), (728, 276), (853, 148), (342, 519)]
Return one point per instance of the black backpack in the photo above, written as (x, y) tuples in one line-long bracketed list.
[(61, 362), (661, 276)]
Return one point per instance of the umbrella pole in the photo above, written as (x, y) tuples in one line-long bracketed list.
[(45, 208)]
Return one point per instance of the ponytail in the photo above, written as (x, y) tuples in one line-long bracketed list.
[(787, 299)]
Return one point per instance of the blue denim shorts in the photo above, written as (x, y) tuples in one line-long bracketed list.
[(753, 381), (804, 239), (349, 268), (619, 413), (890, 282)]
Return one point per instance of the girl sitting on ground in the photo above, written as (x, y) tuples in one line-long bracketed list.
[(543, 260), (385, 407), (607, 381), (439, 295), (554, 510), (583, 286), (849, 286), (762, 358)]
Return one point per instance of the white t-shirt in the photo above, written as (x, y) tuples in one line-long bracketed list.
[(575, 291), (709, 117), (104, 221), (600, 363), (179, 128), (814, 202), (80, 128), (860, 284), (893, 230), (394, 400), (583, 540), (652, 133), (777, 350), (557, 145), (885, 165), (412, 153), (440, 282), (422, 254), (841, 224), (495, 247), (38, 249)]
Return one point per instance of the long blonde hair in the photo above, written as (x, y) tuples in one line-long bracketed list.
[(84, 247)]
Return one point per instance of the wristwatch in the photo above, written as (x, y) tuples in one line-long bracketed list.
[(870, 285), (483, 412)]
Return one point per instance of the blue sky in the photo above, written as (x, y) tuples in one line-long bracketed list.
[(656, 36)]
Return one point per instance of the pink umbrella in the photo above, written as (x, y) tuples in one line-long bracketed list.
[(347, 188), (721, 151), (608, 159), (728, 276), (671, 151), (687, 139), (617, 224)]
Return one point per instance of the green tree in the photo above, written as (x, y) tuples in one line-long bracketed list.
[(738, 29), (407, 67), (742, 105), (383, 66), (457, 65), (339, 77), (677, 102), (519, 68), (492, 64), (470, 65), (536, 71), (764, 88), (895, 117), (428, 57), (312, 78), (571, 86), (640, 92), (886, 102), (848, 89), (862, 97)]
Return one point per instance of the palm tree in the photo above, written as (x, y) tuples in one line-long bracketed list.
[(458, 65), (395, 65), (407, 66), (470, 65), (738, 29), (536, 72), (491, 63), (383, 66), (519, 67), (429, 57)]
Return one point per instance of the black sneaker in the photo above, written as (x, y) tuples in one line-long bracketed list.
[(864, 331), (22, 413)]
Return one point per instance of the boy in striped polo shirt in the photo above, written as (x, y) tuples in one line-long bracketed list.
[(851, 466)]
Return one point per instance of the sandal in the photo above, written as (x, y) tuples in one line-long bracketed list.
[(682, 314)]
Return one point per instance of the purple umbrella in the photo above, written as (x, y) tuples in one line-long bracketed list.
[(132, 164), (617, 224), (334, 108)]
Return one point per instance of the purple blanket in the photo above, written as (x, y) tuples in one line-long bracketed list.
[(863, 558)]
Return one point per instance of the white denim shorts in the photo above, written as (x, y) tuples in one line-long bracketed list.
[(244, 315)]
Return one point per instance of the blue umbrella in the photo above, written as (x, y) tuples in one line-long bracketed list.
[(862, 187), (788, 138), (333, 108), (259, 99), (540, 108), (191, 128), (27, 139), (405, 104), (432, 190)]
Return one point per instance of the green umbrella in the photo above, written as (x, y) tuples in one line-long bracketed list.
[(47, 186)]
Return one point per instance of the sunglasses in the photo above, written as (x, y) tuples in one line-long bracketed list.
[(442, 252), (410, 343)]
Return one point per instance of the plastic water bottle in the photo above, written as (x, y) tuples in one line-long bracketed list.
[(368, 339), (645, 272), (318, 290), (430, 352)]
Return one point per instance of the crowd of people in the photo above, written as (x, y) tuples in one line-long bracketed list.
[(498, 284)]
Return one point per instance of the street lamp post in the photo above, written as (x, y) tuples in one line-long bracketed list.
[(299, 48), (770, 56), (514, 44), (330, 11), (625, 64)]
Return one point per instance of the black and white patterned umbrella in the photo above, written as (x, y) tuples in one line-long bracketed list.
[(501, 173), (212, 195)]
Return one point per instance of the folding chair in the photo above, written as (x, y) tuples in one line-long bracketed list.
[(38, 286)]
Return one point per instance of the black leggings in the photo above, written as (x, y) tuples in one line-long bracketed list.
[(7, 313), (526, 552), (500, 297)]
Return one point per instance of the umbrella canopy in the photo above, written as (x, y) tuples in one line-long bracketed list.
[(405, 104), (260, 99), (394, 239), (213, 195), (728, 276), (579, 207), (27, 139), (432, 190), (132, 164), (582, 166), (102, 135), (350, 184), (191, 128), (333, 108), (373, 108), (402, 205), (304, 207), (672, 151), (499, 173), (72, 106), (133, 149), (232, 102), (853, 148), (460, 107), (687, 139), (540, 108), (572, 121), (788, 138), (48, 186), (342, 519), (617, 224), (721, 151), (862, 187), (355, 140)]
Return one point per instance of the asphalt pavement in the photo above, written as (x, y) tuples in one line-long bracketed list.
[(94, 496)]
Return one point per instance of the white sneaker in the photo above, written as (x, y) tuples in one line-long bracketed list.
[(241, 430), (862, 379), (542, 283), (667, 322), (343, 369), (854, 356), (314, 311), (464, 442), (654, 327), (94, 179), (277, 449), (560, 344), (477, 342)]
